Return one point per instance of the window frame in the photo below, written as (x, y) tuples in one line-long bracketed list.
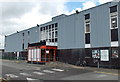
[(87, 22), (113, 11), (111, 17), (114, 38)]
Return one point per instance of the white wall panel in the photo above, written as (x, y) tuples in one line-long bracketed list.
[(29, 55), (34, 55), (38, 55)]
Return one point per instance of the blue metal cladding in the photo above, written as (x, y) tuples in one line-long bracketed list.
[(100, 26), (34, 35), (13, 42), (71, 28), (31, 37), (71, 32)]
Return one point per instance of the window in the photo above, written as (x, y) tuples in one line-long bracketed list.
[(56, 39), (23, 46), (87, 28), (113, 22), (55, 28), (56, 24), (114, 35), (23, 34), (52, 25), (46, 27), (46, 34), (49, 26), (56, 33), (42, 54), (52, 35), (43, 28), (28, 32), (23, 41), (52, 40), (49, 34), (87, 38), (87, 16), (113, 9)]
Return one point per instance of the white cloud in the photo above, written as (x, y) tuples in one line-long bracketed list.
[(74, 11), (19, 15), (88, 4), (104, 1)]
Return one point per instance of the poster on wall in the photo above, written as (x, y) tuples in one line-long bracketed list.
[(104, 55), (115, 53), (95, 54)]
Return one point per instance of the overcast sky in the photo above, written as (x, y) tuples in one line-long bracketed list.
[(18, 15)]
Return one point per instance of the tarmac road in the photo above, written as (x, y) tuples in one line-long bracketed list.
[(23, 71)]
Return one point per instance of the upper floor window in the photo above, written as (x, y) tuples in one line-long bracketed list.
[(114, 35), (52, 25), (41, 28), (87, 16), (87, 27), (114, 21), (114, 17), (23, 34), (87, 38), (87, 23), (49, 26), (56, 24), (56, 33), (113, 9), (28, 32), (46, 27)]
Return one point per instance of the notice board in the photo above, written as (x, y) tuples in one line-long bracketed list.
[(104, 55)]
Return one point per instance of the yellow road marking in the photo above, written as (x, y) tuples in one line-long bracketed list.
[(106, 73), (77, 67)]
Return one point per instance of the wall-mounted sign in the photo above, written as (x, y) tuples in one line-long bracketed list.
[(95, 54), (47, 51), (104, 55)]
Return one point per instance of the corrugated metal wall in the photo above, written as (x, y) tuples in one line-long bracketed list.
[(25, 37), (100, 26), (71, 28), (14, 42), (34, 35), (71, 32)]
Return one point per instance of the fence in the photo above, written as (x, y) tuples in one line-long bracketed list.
[(13, 55)]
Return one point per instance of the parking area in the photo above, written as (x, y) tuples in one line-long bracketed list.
[(20, 70)]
